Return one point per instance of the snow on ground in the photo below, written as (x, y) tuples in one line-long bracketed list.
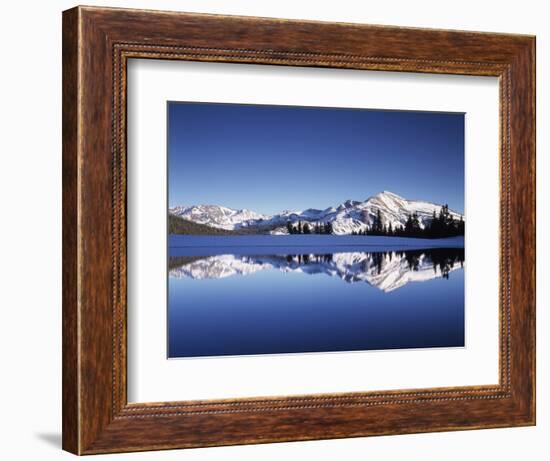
[(194, 245)]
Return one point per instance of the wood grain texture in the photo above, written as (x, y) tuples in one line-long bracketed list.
[(70, 384), (97, 43)]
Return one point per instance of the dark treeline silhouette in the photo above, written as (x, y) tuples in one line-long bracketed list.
[(357, 268), (441, 225), (309, 228), (442, 258)]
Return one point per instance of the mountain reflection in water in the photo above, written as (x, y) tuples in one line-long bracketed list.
[(386, 270)]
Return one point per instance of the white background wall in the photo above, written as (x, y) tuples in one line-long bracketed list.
[(30, 229)]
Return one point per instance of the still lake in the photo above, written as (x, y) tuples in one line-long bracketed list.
[(295, 294)]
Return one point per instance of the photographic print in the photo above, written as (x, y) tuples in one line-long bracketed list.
[(313, 230)]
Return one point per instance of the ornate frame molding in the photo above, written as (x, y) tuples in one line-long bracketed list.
[(97, 43)]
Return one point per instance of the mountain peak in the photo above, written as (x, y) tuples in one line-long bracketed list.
[(348, 204), (389, 194)]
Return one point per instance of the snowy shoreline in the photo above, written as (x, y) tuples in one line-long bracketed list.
[(195, 245)]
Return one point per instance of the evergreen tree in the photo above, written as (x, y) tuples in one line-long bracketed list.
[(415, 225), (289, 227), (451, 226), (441, 221), (377, 227), (306, 229), (408, 226), (433, 226), (460, 227), (448, 217)]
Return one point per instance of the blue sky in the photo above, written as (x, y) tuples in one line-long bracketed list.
[(274, 158)]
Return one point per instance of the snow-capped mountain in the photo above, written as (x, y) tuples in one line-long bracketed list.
[(217, 216), (350, 216), (385, 271)]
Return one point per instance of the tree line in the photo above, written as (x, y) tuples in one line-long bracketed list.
[(441, 225), (307, 228), (443, 259)]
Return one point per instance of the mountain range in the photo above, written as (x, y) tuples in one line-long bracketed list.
[(349, 217)]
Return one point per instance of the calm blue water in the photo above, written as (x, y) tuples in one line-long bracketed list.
[(240, 303)]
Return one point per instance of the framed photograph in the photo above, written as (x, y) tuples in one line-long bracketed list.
[(281, 230)]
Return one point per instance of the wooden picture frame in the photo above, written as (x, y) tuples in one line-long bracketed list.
[(97, 43)]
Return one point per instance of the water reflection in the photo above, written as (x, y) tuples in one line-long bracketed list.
[(385, 270)]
